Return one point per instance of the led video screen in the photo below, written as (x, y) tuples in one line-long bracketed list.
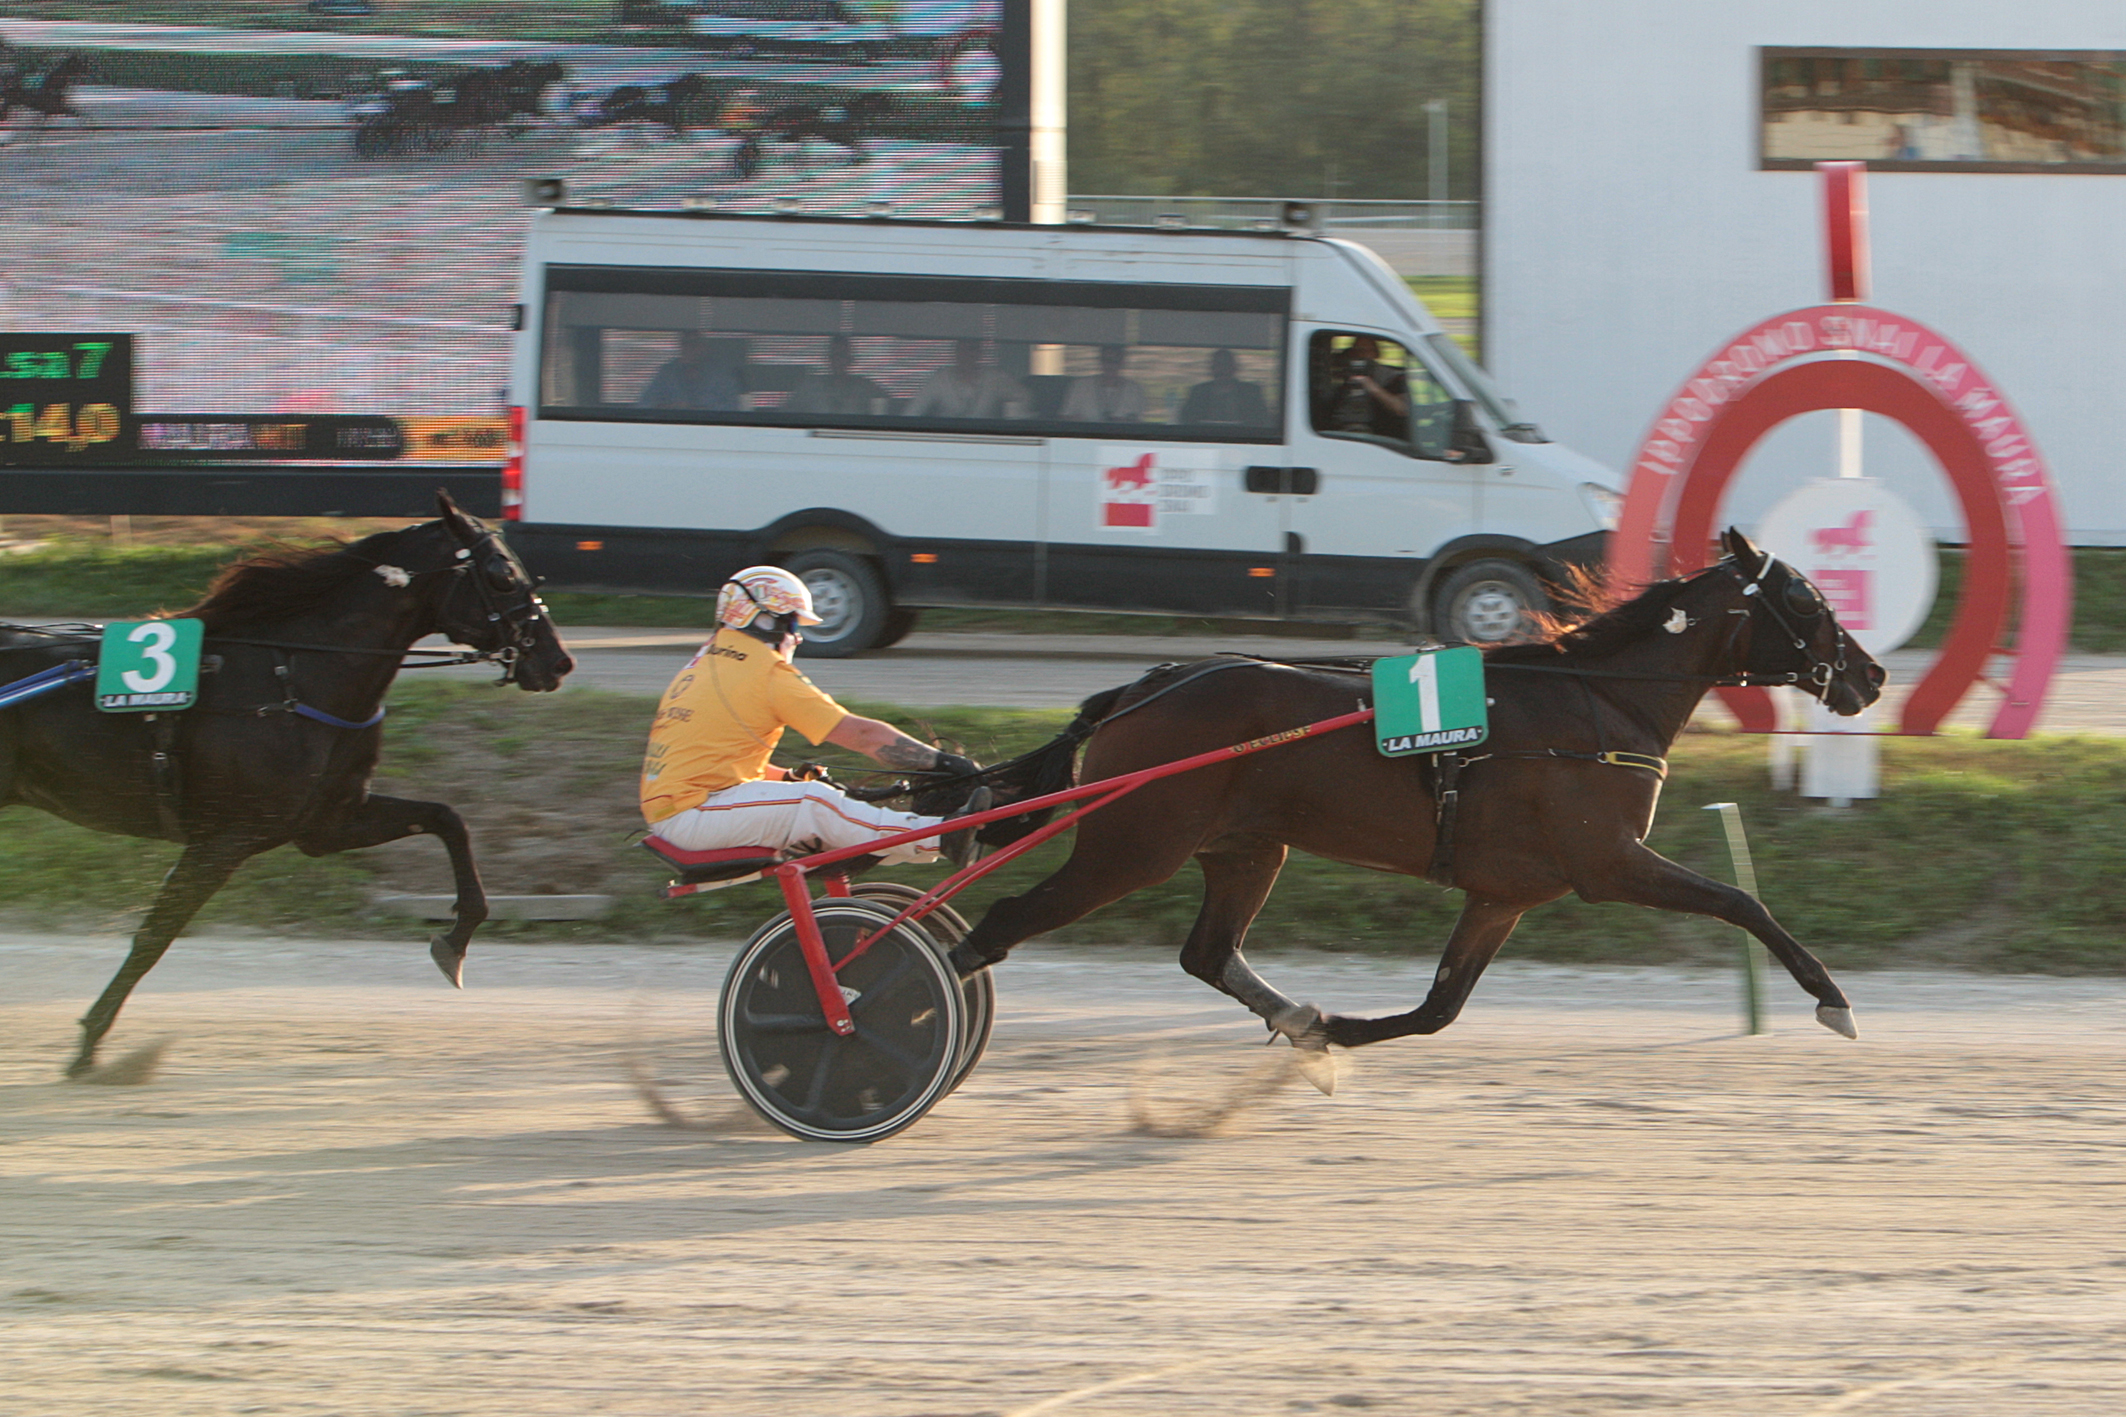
[(1956, 110), (318, 209)]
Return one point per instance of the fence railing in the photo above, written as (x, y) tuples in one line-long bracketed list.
[(1265, 213)]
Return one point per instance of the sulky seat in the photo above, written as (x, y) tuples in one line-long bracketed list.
[(725, 863), (734, 865)]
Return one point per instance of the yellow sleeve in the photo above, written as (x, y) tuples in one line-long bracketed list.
[(803, 705)]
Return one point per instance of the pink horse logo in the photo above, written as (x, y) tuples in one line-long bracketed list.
[(1131, 477), (1851, 536)]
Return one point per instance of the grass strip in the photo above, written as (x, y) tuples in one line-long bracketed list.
[(1980, 855), (93, 578)]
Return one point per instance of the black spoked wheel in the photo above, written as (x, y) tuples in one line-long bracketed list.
[(813, 1083), (948, 927)]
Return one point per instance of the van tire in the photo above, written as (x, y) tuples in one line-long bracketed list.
[(1488, 602), (849, 598), (898, 626)]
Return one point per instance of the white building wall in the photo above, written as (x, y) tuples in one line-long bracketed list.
[(1628, 232)]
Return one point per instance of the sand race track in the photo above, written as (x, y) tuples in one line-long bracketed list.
[(353, 1191)]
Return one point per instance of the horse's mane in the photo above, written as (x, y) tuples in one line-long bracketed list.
[(1597, 618), (282, 582)]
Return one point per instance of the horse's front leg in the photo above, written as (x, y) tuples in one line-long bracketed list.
[(1643, 876), (1478, 933), (204, 869), (382, 819)]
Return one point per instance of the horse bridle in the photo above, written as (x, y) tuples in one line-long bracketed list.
[(485, 562), (1808, 604)]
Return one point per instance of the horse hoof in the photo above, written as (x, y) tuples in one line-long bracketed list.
[(1310, 1045), (1839, 1021), (1317, 1067), (450, 959)]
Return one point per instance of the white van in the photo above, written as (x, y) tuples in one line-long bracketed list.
[(1261, 426)]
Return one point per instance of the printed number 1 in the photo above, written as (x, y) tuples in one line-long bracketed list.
[(92, 357), (1425, 674), (157, 654)]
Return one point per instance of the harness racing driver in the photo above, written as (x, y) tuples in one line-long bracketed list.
[(706, 779)]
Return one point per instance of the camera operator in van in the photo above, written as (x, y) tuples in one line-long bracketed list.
[(1363, 394), (706, 779)]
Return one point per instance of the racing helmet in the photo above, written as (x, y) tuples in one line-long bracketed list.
[(761, 590)]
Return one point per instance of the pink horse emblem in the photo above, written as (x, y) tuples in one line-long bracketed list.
[(1852, 536), (1131, 477)]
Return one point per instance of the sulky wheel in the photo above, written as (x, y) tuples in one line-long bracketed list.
[(948, 928), (797, 1073)]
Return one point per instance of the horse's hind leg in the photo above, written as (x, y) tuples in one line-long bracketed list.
[(382, 819), (1235, 884), (1482, 927), (1097, 874), (204, 869), (1646, 877)]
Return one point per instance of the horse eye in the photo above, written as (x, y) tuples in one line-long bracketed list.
[(1801, 598), (500, 574)]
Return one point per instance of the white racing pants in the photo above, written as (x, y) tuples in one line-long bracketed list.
[(782, 814)]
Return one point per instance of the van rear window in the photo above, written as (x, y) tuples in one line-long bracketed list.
[(1058, 359)]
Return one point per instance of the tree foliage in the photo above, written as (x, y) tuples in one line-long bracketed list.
[(1270, 98)]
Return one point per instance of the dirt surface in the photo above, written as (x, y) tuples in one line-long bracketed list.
[(354, 1191)]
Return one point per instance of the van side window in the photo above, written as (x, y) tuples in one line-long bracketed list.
[(1062, 359), (1374, 389)]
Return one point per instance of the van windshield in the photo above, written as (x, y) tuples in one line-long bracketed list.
[(1060, 359), (1472, 377)]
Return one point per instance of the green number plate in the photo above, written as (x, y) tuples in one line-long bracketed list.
[(1423, 703), (149, 666)]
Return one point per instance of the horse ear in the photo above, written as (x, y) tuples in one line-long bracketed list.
[(464, 527), (1743, 550)]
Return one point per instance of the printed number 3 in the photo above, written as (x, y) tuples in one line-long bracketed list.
[(156, 654)]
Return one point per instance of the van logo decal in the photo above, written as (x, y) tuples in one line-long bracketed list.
[(1138, 488)]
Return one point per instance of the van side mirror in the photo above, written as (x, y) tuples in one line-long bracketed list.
[(1469, 443), (1447, 432)]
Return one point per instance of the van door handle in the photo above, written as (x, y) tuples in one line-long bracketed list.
[(1286, 481)]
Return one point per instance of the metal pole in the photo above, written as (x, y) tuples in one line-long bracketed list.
[(1436, 177), (1738, 851)]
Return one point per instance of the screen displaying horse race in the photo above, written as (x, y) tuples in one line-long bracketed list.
[(318, 209)]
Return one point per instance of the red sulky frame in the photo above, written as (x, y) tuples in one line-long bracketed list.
[(796, 894)]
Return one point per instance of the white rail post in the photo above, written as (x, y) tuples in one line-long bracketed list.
[(1738, 850)]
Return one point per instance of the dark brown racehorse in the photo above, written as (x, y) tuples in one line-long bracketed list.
[(1559, 799), (48, 94), (301, 648)]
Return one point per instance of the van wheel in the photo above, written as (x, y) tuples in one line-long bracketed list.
[(849, 599), (1488, 603), (898, 626)]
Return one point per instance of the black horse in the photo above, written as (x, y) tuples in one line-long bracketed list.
[(1558, 800), (843, 124), (672, 105), (48, 93), (302, 647)]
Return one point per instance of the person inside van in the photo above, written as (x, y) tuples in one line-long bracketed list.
[(1360, 394), (837, 390), (697, 377), (707, 782), (1225, 397), (966, 389), (1105, 397)]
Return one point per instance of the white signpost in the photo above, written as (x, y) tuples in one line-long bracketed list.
[(1873, 560)]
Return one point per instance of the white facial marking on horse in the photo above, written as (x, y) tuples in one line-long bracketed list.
[(1678, 622), (394, 577)]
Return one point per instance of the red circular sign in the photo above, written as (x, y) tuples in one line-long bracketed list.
[(1856, 356)]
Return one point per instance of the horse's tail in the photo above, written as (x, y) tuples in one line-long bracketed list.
[(1048, 768)]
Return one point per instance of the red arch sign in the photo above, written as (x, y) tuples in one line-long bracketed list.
[(1856, 356)]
